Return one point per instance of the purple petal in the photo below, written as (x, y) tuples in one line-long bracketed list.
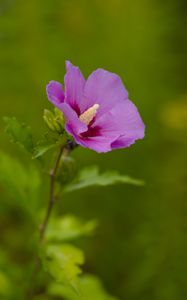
[(104, 88), (74, 86), (122, 142), (96, 138), (117, 123), (124, 121), (99, 144), (73, 124), (55, 93)]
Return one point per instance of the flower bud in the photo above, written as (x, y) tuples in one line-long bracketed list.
[(54, 120), (67, 170)]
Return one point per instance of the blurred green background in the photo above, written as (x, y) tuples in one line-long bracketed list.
[(140, 249)]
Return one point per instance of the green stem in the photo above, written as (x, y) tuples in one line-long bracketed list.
[(64, 150), (51, 202)]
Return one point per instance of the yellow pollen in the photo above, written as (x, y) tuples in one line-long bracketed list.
[(89, 114)]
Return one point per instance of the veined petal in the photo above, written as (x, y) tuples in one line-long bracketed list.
[(122, 142), (55, 93), (123, 120), (104, 88), (99, 144), (98, 113), (74, 86), (73, 124)]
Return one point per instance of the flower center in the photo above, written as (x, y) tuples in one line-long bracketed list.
[(89, 114)]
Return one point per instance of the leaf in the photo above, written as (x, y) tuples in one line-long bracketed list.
[(91, 288), (69, 228), (91, 177), (63, 263), (41, 149), (48, 142), (19, 133), (22, 182)]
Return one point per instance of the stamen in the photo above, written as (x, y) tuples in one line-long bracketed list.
[(89, 114)]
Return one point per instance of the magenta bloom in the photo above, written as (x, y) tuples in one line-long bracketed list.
[(97, 111)]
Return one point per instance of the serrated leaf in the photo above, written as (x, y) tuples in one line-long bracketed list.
[(22, 182), (19, 133), (91, 177), (40, 149), (91, 288), (63, 263), (48, 142), (69, 228)]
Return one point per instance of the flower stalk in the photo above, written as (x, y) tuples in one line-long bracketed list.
[(64, 151), (51, 202)]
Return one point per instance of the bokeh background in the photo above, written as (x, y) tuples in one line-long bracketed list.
[(140, 249)]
